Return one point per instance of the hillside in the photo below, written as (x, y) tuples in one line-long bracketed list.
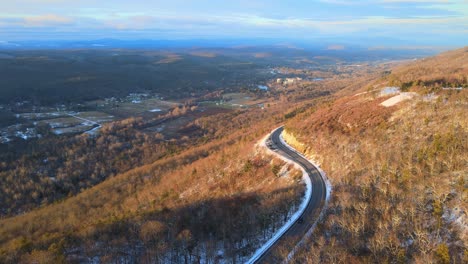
[(399, 173), (203, 191), (217, 200), (449, 69)]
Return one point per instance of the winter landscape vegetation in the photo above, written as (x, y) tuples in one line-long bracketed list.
[(247, 132)]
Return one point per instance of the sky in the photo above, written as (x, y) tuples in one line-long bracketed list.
[(396, 22)]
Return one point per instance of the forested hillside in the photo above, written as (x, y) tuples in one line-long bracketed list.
[(393, 142), (216, 200), (399, 173)]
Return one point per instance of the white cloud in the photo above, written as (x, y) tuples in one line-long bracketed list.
[(122, 21), (46, 20)]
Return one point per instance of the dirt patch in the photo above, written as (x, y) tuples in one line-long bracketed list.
[(398, 98)]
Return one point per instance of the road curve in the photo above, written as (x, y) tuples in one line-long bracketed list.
[(293, 236)]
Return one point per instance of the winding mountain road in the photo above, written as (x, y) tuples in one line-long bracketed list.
[(280, 249)]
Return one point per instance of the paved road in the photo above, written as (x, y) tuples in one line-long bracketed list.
[(280, 249)]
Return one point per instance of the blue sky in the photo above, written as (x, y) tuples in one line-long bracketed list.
[(406, 22)]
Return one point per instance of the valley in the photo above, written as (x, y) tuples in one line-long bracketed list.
[(162, 165)]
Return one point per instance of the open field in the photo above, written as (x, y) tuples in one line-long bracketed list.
[(242, 99), (236, 101), (127, 109), (95, 116)]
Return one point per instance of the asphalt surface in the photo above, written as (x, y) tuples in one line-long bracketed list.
[(281, 248)]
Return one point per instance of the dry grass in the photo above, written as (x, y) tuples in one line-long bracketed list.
[(399, 174)]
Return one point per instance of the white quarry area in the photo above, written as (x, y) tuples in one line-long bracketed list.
[(398, 98)]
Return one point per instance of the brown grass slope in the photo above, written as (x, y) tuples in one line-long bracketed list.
[(399, 173), (449, 69)]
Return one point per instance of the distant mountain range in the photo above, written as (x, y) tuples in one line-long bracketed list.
[(316, 44)]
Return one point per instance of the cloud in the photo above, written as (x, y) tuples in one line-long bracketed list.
[(336, 47), (46, 20), (410, 19), (239, 22)]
